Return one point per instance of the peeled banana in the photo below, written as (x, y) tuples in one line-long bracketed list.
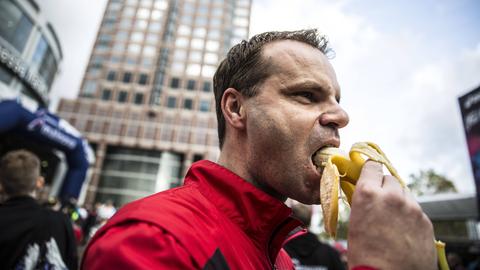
[(340, 171)]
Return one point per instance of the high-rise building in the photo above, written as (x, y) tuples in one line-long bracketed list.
[(146, 102)]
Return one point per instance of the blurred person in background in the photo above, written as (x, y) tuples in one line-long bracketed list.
[(31, 236), (306, 251), (277, 101)]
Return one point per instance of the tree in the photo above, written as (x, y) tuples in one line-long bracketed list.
[(430, 182)]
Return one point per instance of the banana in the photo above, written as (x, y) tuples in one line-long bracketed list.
[(340, 170)]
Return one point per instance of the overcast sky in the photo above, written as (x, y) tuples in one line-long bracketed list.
[(401, 64)]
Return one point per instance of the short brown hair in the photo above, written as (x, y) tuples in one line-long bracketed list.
[(19, 170), (245, 69)]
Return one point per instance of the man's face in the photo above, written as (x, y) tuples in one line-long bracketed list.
[(295, 113)]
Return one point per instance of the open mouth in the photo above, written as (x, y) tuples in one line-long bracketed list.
[(321, 156)]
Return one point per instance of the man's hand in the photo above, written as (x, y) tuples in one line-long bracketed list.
[(388, 230)]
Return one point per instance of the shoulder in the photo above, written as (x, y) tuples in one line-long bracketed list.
[(137, 246), (180, 217), (171, 205)]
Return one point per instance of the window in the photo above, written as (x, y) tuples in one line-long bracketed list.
[(155, 26), (187, 103), (121, 36), (111, 76), (134, 48), (156, 15), (179, 55), (200, 32), (128, 12), (152, 38), (184, 30), (175, 83), (211, 58), (147, 62), (143, 13), (126, 23), (240, 32), (146, 3), (204, 105), (137, 36), (181, 42), (208, 71), (191, 85), (106, 94), (44, 61), (240, 22), (122, 96), (89, 88), (119, 47), (127, 77), (131, 61), (171, 102), (138, 98), (178, 67), (201, 21), (143, 79), (212, 45), (195, 56), (207, 86), (15, 27), (193, 70), (5, 75), (214, 33), (141, 25), (160, 4), (149, 50), (197, 43)]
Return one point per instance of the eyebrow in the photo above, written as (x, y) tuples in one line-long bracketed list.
[(312, 86)]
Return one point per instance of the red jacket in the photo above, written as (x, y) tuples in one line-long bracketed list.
[(216, 220)]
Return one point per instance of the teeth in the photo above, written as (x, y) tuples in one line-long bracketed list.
[(322, 155)]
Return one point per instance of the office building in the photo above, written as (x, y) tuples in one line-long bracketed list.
[(146, 102)]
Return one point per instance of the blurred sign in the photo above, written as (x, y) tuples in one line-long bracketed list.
[(15, 63), (470, 109)]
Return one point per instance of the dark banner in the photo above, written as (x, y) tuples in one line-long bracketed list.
[(470, 108)]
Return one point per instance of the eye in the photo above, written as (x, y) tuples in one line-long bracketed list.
[(306, 96)]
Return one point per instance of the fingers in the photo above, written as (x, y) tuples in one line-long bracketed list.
[(390, 183), (371, 175)]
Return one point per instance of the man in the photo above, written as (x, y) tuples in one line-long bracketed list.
[(32, 237), (307, 252), (277, 101)]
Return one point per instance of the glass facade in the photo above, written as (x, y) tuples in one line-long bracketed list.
[(15, 26), (130, 174), (30, 49), (44, 61)]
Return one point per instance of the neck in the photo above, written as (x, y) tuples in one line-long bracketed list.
[(234, 158)]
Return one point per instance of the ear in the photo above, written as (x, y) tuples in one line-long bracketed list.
[(40, 182), (233, 108)]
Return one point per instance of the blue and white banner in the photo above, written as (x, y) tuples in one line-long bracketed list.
[(44, 127)]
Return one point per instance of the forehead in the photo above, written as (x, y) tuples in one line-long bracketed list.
[(292, 59)]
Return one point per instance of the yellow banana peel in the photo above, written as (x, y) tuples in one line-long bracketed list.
[(342, 171)]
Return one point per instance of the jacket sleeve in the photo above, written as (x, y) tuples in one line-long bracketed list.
[(136, 246)]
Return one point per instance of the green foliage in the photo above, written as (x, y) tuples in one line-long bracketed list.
[(429, 182)]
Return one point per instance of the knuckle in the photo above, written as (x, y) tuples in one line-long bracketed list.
[(395, 199), (365, 191), (415, 209)]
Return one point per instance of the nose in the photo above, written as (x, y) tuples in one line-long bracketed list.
[(336, 117)]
